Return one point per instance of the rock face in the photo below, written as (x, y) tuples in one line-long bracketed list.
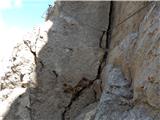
[(135, 53), (82, 50), (70, 60)]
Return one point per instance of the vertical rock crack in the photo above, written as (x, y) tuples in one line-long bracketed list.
[(101, 65)]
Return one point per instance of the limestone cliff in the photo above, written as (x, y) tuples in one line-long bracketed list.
[(89, 61)]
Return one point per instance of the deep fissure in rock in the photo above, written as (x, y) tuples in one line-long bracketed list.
[(108, 39), (33, 53), (101, 65), (75, 96)]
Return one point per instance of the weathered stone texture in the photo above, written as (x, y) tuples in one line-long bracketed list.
[(62, 65), (134, 51), (72, 54)]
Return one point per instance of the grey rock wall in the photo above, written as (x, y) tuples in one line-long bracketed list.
[(131, 77), (81, 51)]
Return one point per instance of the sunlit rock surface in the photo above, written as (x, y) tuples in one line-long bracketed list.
[(135, 51)]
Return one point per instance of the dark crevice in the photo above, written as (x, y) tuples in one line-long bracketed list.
[(33, 53), (101, 39), (108, 33), (76, 94), (101, 66), (108, 40), (101, 88), (14, 58), (21, 77), (95, 95), (42, 64), (56, 74)]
